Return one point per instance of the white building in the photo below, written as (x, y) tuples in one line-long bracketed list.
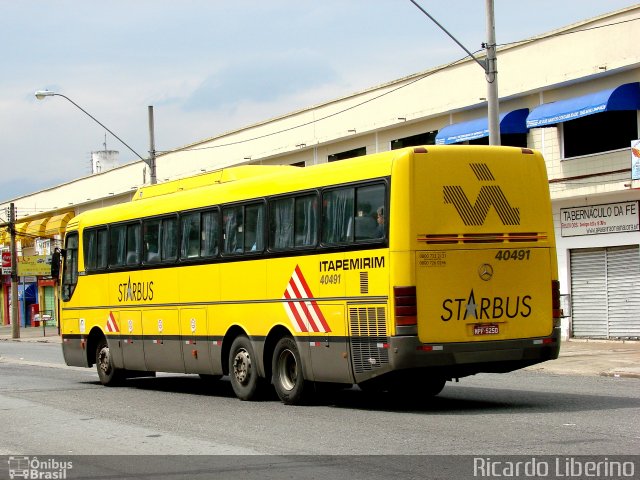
[(573, 93)]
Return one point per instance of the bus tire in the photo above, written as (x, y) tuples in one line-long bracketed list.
[(433, 386), (288, 378), (242, 369), (108, 374)]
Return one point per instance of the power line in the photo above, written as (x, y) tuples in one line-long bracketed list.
[(331, 115), (579, 30), (421, 77)]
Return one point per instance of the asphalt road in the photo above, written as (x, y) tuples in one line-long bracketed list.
[(49, 408)]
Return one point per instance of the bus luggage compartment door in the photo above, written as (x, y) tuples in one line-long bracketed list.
[(132, 340), (483, 294), (162, 348), (329, 351), (195, 347)]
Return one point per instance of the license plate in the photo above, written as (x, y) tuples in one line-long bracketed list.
[(486, 329)]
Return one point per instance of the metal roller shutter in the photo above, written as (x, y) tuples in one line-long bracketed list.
[(605, 292), (589, 293), (623, 291)]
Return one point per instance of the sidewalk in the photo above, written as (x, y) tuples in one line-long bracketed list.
[(31, 334), (577, 357)]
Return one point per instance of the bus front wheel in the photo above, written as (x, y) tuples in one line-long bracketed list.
[(288, 379), (242, 369), (107, 373)]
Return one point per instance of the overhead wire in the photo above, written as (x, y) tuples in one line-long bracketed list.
[(331, 115), (578, 30), (393, 90)]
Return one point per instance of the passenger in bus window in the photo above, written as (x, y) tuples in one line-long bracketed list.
[(366, 227), (380, 227)]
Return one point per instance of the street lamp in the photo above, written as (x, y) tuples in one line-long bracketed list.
[(151, 161)]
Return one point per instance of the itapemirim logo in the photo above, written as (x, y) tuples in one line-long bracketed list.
[(489, 196)]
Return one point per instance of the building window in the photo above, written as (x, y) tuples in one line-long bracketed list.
[(428, 138), (600, 132), (356, 152)]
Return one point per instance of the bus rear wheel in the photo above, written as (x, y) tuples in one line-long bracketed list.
[(242, 369), (107, 373), (288, 379)]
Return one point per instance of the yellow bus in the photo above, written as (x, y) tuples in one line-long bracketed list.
[(396, 271)]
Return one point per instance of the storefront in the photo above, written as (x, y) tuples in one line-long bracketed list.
[(599, 247)]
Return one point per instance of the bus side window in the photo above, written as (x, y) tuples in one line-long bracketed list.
[(133, 244), (117, 245), (96, 249), (368, 223), (254, 228), (102, 257), (337, 215), (281, 223), (306, 221), (210, 233), (190, 229), (90, 250), (169, 239), (233, 229), (151, 243)]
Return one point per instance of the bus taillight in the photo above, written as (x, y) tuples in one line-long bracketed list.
[(555, 299), (406, 306)]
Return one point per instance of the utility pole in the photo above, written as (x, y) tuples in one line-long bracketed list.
[(15, 318), (489, 65), (491, 72), (152, 148)]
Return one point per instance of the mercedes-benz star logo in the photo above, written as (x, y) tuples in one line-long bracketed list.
[(485, 271)]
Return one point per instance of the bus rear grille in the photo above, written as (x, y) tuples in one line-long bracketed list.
[(466, 238), (369, 341)]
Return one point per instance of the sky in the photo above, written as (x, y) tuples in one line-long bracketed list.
[(211, 66)]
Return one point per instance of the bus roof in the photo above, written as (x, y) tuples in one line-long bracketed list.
[(240, 183)]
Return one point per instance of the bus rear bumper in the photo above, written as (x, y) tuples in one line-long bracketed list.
[(456, 360)]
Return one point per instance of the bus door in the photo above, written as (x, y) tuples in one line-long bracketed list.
[(162, 346), (131, 338), (196, 351)]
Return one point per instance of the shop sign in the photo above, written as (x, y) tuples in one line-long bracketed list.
[(34, 265), (599, 219), (635, 159), (6, 262)]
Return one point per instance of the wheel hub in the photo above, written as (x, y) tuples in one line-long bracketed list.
[(104, 360), (287, 369), (242, 366)]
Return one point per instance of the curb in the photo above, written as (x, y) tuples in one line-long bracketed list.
[(620, 374)]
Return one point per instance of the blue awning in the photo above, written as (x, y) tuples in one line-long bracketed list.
[(624, 97), (511, 122)]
